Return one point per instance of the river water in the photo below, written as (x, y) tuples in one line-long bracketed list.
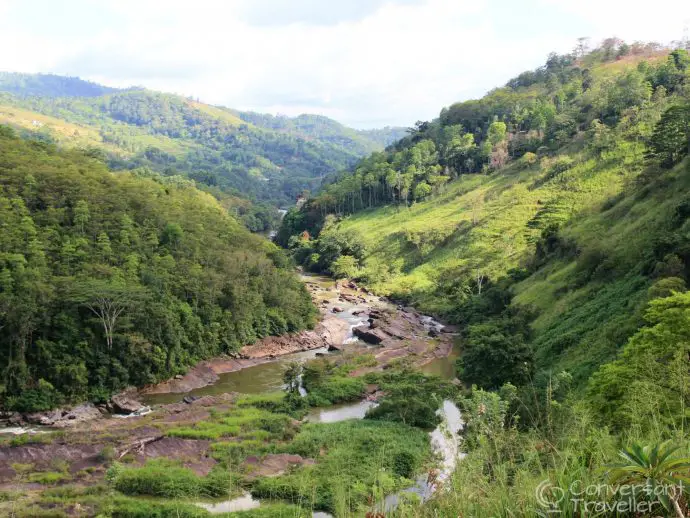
[(268, 377), (258, 379), (445, 443)]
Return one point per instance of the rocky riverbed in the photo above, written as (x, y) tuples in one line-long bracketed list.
[(353, 321)]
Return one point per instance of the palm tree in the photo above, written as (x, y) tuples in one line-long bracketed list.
[(654, 467)]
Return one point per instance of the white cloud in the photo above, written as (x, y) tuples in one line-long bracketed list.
[(366, 63)]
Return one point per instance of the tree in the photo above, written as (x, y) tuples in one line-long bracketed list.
[(107, 300), (421, 191), (345, 267), (292, 378), (81, 215), (494, 354), (412, 398), (496, 133), (670, 141)]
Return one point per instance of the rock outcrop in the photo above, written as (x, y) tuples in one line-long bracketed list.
[(63, 418), (125, 402)]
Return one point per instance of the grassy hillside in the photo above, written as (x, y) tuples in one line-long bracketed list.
[(497, 211), (549, 220), (109, 279)]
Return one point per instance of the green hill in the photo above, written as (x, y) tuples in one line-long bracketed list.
[(549, 221), (109, 279), (260, 157), (50, 85), (538, 194)]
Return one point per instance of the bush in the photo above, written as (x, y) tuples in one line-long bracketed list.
[(335, 390), (39, 399), (411, 398)]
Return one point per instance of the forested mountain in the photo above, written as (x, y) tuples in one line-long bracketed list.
[(260, 157), (50, 85), (384, 136), (549, 220), (109, 279), (318, 127)]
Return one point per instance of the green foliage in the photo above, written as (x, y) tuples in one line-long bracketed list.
[(144, 508), (360, 461), (337, 252), (497, 352), (165, 478), (670, 141), (650, 376), (345, 267), (241, 420), (49, 477), (328, 383), (274, 511), (656, 469), (485, 414), (410, 398), (155, 279)]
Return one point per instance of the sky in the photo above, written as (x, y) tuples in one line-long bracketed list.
[(366, 63)]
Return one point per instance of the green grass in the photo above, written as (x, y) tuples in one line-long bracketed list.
[(356, 461), (167, 478), (243, 420), (486, 222), (49, 478)]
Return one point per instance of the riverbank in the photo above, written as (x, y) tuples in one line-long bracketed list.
[(203, 432), (351, 319)]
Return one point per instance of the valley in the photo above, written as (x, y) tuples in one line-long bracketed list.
[(207, 311)]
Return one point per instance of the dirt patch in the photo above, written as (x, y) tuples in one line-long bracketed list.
[(191, 452), (273, 465)]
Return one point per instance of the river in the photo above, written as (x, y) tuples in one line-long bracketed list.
[(267, 377)]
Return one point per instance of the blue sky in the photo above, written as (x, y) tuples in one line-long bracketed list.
[(367, 63)]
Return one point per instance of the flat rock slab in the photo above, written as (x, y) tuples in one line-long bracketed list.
[(369, 335), (43, 455)]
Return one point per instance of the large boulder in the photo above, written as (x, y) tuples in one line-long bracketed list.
[(124, 403), (369, 335)]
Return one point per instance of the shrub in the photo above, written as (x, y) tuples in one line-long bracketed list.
[(38, 399), (336, 390)]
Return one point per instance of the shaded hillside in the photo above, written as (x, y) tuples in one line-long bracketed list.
[(328, 131)]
